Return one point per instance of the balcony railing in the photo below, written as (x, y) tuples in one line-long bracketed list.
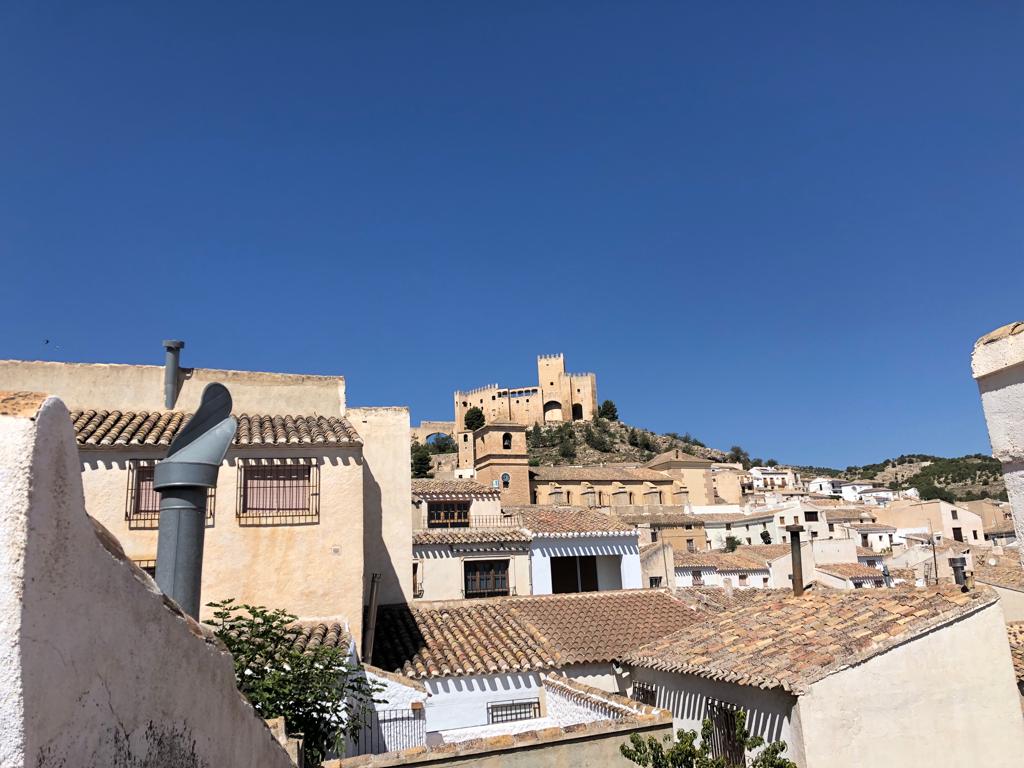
[(474, 521)]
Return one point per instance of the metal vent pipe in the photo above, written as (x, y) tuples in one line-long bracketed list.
[(798, 563), (172, 371)]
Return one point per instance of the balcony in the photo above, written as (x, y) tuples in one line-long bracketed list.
[(431, 521)]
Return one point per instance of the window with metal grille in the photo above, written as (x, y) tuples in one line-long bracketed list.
[(515, 709), (278, 492), (486, 578), (448, 514), (725, 742), (142, 502), (655, 582), (644, 693)]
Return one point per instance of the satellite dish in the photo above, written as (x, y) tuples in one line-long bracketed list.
[(992, 561)]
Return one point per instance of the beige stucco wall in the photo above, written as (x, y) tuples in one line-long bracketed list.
[(604, 493), (937, 514), (141, 387), (96, 668), (1012, 602), (947, 698), (308, 570), (442, 569), (387, 488)]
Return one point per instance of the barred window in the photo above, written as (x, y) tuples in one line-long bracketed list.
[(278, 492), (142, 503), (509, 711), (149, 566), (724, 741)]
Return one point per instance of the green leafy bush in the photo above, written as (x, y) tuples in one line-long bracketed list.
[(474, 418), (320, 693), (687, 752)]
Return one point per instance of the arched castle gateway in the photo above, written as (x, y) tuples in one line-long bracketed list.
[(558, 396)]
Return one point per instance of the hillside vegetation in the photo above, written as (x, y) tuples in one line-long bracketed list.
[(606, 441)]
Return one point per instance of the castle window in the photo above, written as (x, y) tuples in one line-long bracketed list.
[(506, 441), (506, 479)]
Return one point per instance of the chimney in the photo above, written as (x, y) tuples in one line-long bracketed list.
[(959, 566), (794, 532), (172, 370)]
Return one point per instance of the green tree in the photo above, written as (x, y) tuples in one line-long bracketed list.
[(421, 464), (474, 418), (737, 455), (771, 463), (731, 542), (318, 691), (608, 411), (596, 439), (567, 449), (687, 752), (535, 437)]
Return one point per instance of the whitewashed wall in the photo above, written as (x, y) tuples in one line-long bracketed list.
[(623, 547), (461, 702)]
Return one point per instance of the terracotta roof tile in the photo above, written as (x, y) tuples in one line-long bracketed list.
[(568, 520), (452, 488), (872, 527), (852, 571), (449, 536), (313, 634), (601, 474), (1007, 571), (518, 634), (111, 429), (719, 560), (794, 641), (1015, 634)]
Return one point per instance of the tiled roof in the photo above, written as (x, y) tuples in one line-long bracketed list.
[(733, 517), (602, 474), (569, 521), (766, 552), (719, 560), (517, 634), (452, 488), (1002, 528), (796, 641), (1007, 571), (872, 527), (719, 598), (436, 536), (852, 571), (313, 634), (677, 454), (656, 515), (866, 552), (103, 429)]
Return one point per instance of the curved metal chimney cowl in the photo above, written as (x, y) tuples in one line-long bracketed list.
[(172, 371), (182, 479)]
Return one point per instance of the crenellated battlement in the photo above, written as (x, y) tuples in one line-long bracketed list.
[(556, 356), (477, 390)]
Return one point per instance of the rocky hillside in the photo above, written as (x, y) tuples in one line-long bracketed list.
[(975, 476), (603, 441)]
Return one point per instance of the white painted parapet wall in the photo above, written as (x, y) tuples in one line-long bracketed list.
[(97, 667), (998, 367)]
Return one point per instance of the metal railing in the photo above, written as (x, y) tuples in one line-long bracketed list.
[(388, 730), (512, 710), (474, 521)]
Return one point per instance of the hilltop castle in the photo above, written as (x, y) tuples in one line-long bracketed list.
[(558, 396)]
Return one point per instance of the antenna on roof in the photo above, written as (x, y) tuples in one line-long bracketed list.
[(182, 479)]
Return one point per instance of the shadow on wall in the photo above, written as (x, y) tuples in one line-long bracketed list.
[(765, 714), (375, 550)]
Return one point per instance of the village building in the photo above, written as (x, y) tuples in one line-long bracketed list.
[(693, 473), (483, 661), (991, 511), (878, 537), (522, 551), (797, 512), (849, 576), (556, 397), (775, 478), (826, 486), (1001, 534), (669, 524), (954, 522), (309, 485), (850, 491), (747, 528), (852, 662), (732, 483), (604, 486)]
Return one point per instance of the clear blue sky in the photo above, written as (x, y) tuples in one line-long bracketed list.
[(774, 224)]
